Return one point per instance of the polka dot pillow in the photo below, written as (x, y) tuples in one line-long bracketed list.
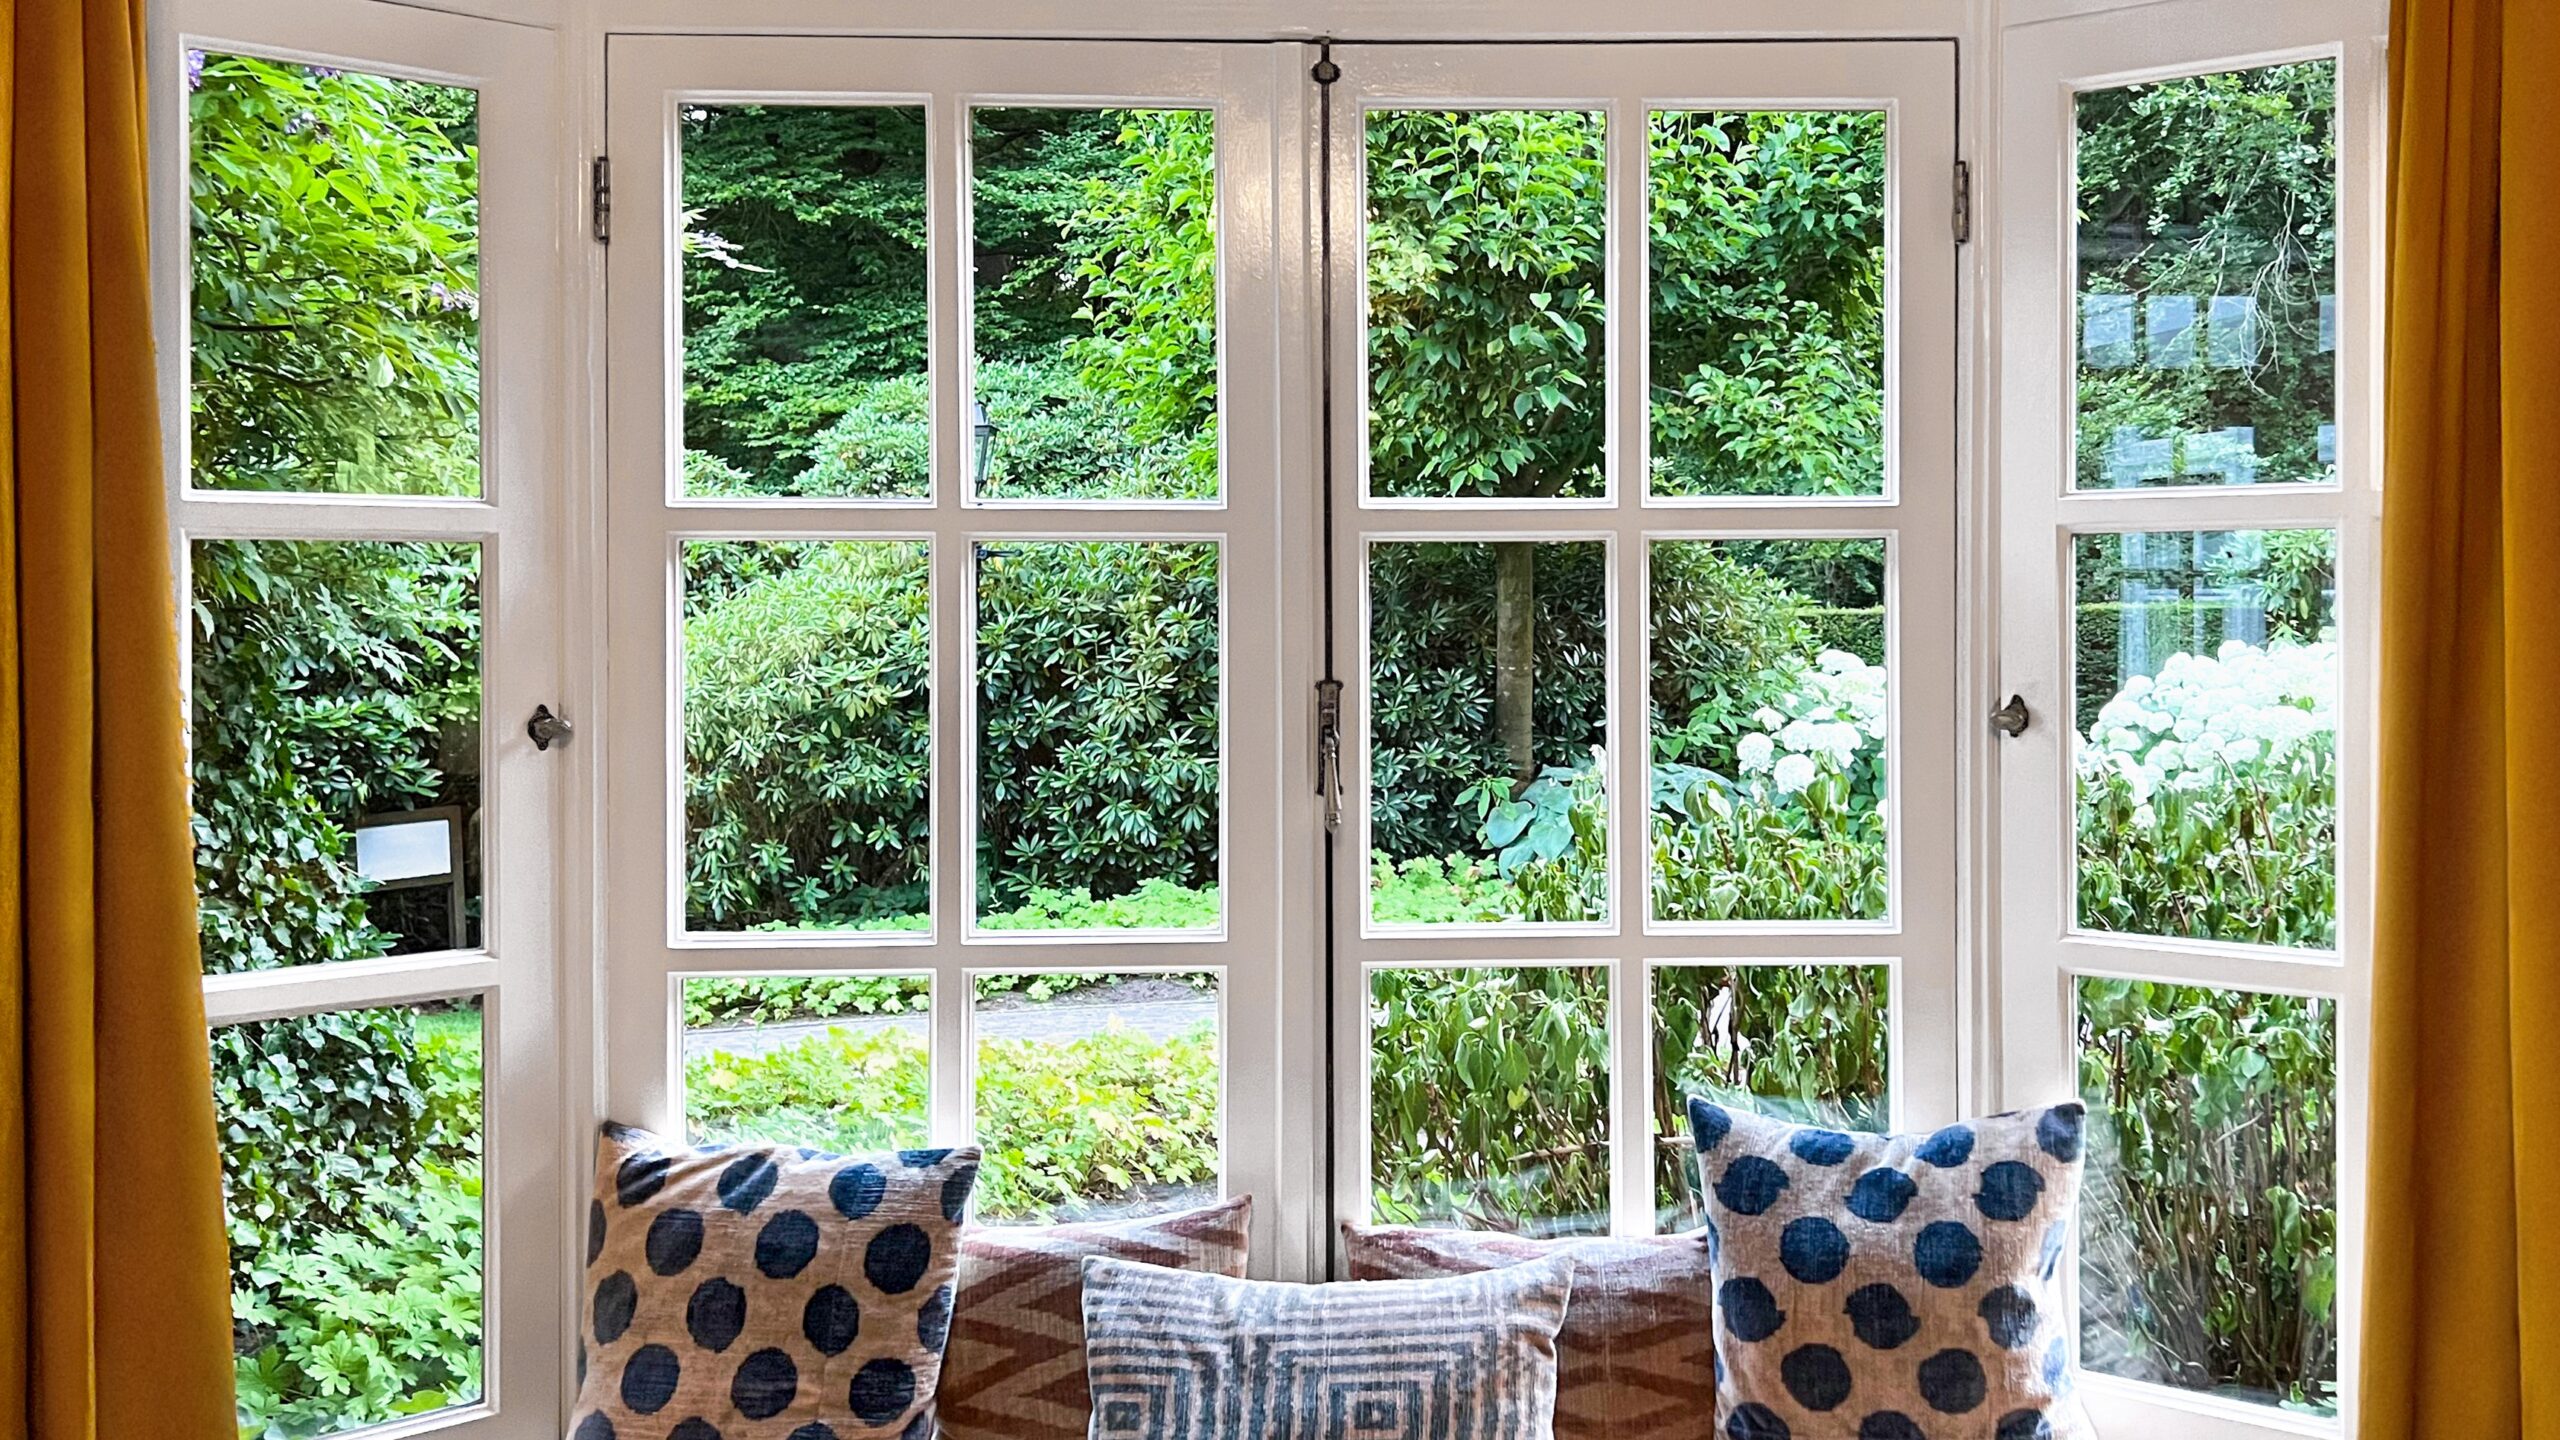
[(1892, 1287), (761, 1293)]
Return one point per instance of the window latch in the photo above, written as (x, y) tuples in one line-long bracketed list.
[(2013, 718), (1329, 750), (547, 728)]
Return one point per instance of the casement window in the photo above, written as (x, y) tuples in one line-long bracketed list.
[(1344, 621)]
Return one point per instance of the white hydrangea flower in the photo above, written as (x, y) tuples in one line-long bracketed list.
[(1794, 773), (1755, 752)]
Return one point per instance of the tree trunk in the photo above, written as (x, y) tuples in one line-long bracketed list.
[(1515, 648)]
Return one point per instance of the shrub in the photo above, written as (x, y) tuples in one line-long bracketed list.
[(1106, 1118), (2208, 800), (2210, 1249)]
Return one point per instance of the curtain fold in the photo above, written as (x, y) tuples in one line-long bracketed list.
[(114, 1292), (2462, 1289)]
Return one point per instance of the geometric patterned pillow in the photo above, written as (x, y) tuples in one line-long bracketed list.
[(1015, 1370), (1893, 1287), (1177, 1356), (1636, 1359), (758, 1293)]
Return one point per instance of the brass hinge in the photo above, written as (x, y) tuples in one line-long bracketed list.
[(1964, 202), (600, 199)]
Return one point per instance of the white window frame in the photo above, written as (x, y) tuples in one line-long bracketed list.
[(1263, 583), (2041, 953), (1914, 83), (561, 1051), (515, 524)]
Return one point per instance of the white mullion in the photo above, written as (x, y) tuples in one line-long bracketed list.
[(298, 517), (350, 985), (1630, 733), (953, 804), (2232, 967)]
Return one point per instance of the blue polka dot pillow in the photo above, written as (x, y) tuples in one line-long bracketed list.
[(762, 1293), (1892, 1287)]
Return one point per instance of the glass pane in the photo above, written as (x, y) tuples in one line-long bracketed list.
[(1489, 1099), (1095, 310), (1767, 250), (1488, 732), (334, 220), (2207, 705), (351, 1151), (1098, 736), (1487, 246), (833, 1062), (1770, 700), (336, 749), (803, 242), (2209, 1237), (808, 734), (1810, 1044), (1097, 1094), (2208, 280)]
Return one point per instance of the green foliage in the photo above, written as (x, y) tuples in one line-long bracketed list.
[(1767, 250), (2210, 1247), (805, 277), (1112, 1117), (807, 732), (2207, 186), (1145, 248), (2252, 857), (1488, 1098), (370, 1323), (334, 219), (1811, 1044), (1485, 318), (1098, 695)]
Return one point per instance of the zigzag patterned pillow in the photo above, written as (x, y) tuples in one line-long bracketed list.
[(1893, 1287), (1015, 1370), (1177, 1356), (762, 1293), (1636, 1359)]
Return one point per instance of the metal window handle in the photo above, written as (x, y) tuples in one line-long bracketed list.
[(1329, 750), (547, 728), (2013, 718)]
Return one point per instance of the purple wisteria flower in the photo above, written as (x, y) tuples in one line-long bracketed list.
[(195, 70)]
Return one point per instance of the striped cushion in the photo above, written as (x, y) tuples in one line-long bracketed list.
[(1636, 1360), (1177, 1356), (1015, 1369)]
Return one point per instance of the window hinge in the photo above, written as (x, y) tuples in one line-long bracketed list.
[(600, 199), (1329, 750), (1964, 202)]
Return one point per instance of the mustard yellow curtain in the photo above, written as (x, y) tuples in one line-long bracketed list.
[(114, 1302), (2462, 1290)]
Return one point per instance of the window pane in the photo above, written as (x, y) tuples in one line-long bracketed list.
[(1098, 736), (2207, 695), (1807, 1043), (334, 224), (1097, 1094), (1488, 732), (336, 749), (803, 235), (1489, 1099), (1768, 266), (1487, 233), (2209, 1236), (1770, 699), (1096, 304), (808, 734), (2208, 280), (833, 1062), (351, 1150)]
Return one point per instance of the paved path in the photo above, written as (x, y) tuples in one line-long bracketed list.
[(1065, 1018)]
